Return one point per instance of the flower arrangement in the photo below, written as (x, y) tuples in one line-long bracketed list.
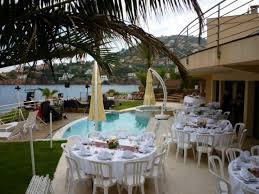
[(202, 123), (113, 143)]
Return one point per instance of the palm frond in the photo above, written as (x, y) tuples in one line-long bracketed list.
[(32, 30)]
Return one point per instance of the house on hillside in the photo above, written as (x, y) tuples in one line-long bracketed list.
[(66, 76)]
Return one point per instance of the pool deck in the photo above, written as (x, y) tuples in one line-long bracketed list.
[(43, 131)]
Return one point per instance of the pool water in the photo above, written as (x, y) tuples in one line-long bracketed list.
[(114, 121)]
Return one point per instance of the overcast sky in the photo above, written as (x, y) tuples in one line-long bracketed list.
[(173, 23)]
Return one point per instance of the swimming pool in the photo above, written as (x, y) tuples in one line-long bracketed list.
[(114, 121)]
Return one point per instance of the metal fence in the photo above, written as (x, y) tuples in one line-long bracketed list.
[(227, 21)]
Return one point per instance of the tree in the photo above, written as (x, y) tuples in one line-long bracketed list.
[(32, 30), (47, 93)]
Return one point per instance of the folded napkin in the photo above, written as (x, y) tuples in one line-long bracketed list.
[(148, 136), (149, 143), (104, 155), (123, 135), (246, 175), (236, 165), (210, 121), (84, 152), (127, 154), (77, 146), (179, 125), (144, 149), (86, 141), (245, 156), (202, 130)]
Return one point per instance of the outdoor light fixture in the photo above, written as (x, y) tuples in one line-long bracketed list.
[(67, 84)]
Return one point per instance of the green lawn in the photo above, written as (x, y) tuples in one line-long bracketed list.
[(13, 116), (15, 164), (128, 104)]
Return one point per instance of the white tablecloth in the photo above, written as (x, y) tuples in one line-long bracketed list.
[(193, 100), (117, 161), (237, 184)]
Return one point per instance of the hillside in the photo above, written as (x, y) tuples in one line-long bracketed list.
[(130, 62)]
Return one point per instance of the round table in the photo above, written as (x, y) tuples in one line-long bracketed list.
[(117, 162), (237, 184)]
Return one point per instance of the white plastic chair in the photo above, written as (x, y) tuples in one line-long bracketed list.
[(72, 140), (66, 152), (183, 142), (233, 153), (134, 175), (222, 185), (241, 139), (204, 145), (238, 128), (76, 175), (100, 179), (225, 141), (226, 114), (216, 166), (255, 150), (224, 124), (157, 168)]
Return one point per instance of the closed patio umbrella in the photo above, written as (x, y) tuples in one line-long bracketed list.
[(149, 97), (96, 112)]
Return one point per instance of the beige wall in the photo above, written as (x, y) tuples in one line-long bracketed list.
[(231, 28)]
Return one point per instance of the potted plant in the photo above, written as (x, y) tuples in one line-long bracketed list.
[(47, 93)]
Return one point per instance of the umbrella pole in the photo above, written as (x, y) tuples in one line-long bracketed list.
[(32, 152), (96, 96)]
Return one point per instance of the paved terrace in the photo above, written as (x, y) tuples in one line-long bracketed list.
[(43, 131)]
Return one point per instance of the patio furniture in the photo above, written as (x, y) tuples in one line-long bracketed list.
[(40, 185), (16, 132), (157, 168), (183, 143), (72, 140), (76, 175), (238, 128), (241, 139), (99, 178), (66, 152), (241, 180), (5, 127), (233, 153), (134, 175), (222, 185), (225, 142), (255, 150), (204, 145), (226, 114), (216, 166), (84, 155)]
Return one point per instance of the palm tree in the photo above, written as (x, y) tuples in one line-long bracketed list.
[(32, 30), (47, 93)]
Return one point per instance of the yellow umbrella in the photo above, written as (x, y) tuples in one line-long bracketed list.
[(96, 112), (149, 97)]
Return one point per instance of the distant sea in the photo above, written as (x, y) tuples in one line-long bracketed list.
[(8, 94)]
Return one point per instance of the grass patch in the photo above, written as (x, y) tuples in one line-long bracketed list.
[(15, 164), (128, 104), (13, 116)]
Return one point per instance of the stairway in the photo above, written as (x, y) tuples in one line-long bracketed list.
[(178, 97)]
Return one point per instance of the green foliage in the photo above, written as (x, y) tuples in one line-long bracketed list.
[(128, 104), (13, 116), (161, 71), (147, 53), (47, 93), (142, 76), (190, 82), (15, 164), (112, 92)]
